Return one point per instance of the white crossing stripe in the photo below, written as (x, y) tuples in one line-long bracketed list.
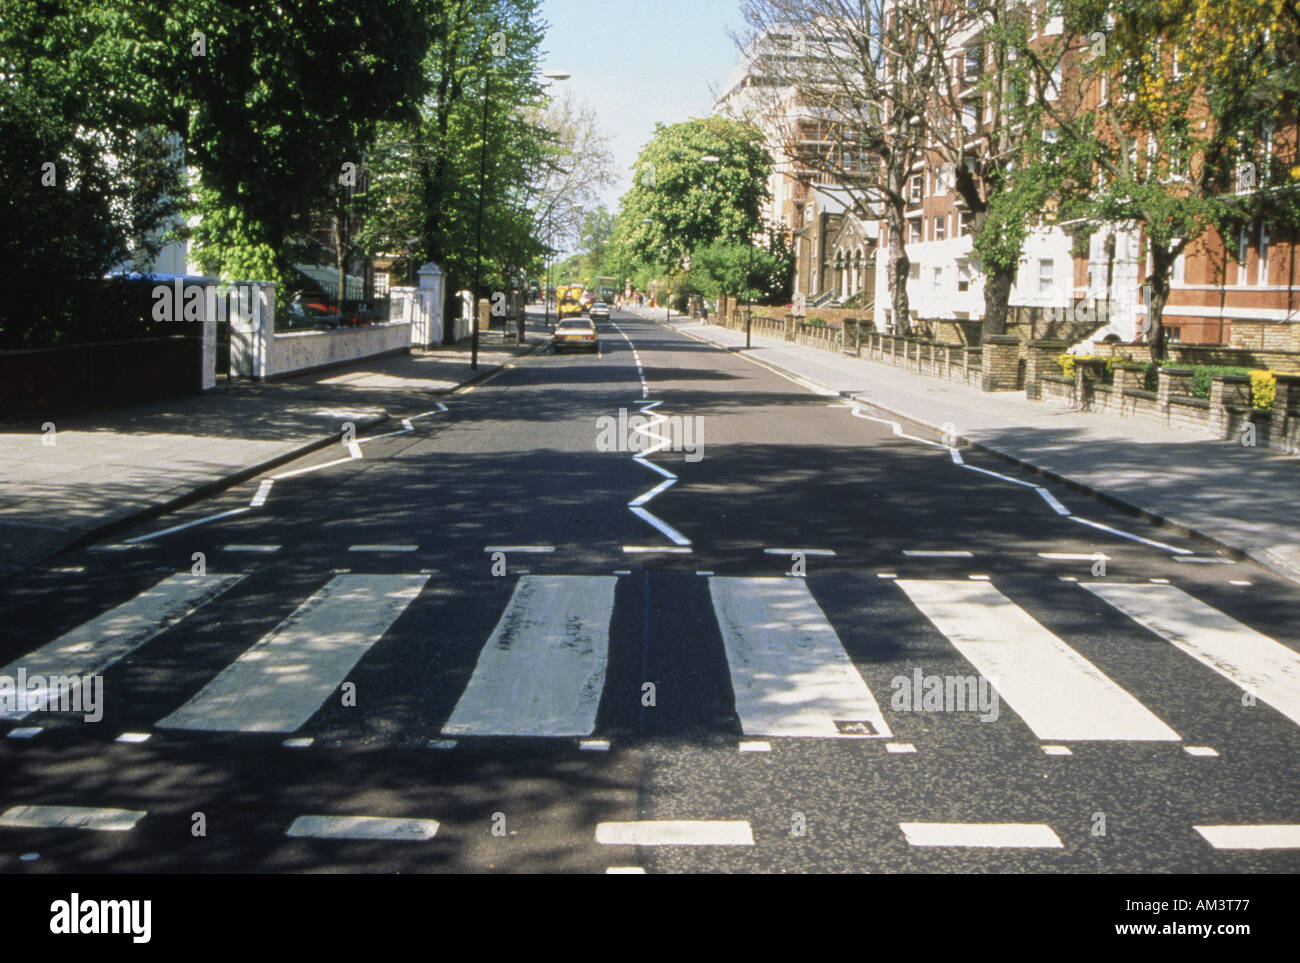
[(363, 827), (1262, 836), (790, 674), (280, 682), (542, 671), (94, 646), (1237, 652), (923, 553), (1058, 693), (681, 832), (982, 835), (71, 817)]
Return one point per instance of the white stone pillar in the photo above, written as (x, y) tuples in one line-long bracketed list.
[(431, 301)]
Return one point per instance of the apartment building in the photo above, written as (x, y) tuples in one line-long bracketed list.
[(1239, 291), (833, 238)]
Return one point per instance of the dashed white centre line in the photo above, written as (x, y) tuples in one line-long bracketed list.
[(1259, 836), (982, 835), (684, 832), (71, 817), (363, 827)]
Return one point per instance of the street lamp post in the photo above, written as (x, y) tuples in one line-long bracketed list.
[(482, 190)]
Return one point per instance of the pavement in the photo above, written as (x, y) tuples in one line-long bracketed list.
[(1242, 500), (79, 478)]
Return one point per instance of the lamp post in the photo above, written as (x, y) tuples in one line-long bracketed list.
[(482, 190)]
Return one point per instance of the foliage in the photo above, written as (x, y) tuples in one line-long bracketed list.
[(575, 165), (88, 178), (426, 169), (1203, 376), (1263, 389), (1166, 149), (679, 203), (286, 94), (724, 268), (1096, 366)]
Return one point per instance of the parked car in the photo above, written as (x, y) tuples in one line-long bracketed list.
[(600, 310), (576, 334), (313, 311)]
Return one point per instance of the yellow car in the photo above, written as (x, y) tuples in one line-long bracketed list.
[(570, 308)]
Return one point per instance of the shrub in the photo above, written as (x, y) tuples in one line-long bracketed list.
[(1263, 389), (1097, 367), (1203, 376)]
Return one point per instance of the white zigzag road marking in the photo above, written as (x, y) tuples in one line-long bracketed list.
[(662, 442)]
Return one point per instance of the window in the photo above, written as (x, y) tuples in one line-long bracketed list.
[(969, 117), (971, 67), (915, 188), (1243, 248), (963, 275), (1054, 84), (914, 231), (1046, 269), (1262, 271), (914, 271), (1180, 268), (940, 228), (964, 220), (936, 280), (1050, 135)]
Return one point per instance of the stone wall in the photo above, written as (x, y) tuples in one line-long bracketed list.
[(294, 352)]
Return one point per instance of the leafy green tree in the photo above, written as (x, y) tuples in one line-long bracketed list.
[(680, 202), (425, 170), (1180, 138), (88, 172), (282, 104)]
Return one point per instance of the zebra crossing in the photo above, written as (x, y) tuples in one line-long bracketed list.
[(543, 670)]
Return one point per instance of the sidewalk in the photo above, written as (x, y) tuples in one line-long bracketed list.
[(1244, 500), (111, 469)]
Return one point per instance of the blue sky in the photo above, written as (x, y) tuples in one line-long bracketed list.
[(636, 62)]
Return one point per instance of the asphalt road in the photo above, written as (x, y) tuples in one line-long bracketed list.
[(469, 637)]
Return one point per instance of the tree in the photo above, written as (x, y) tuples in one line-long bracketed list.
[(985, 123), (88, 172), (679, 202), (425, 171), (726, 269), (1188, 95), (285, 96), (848, 86), (575, 165)]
